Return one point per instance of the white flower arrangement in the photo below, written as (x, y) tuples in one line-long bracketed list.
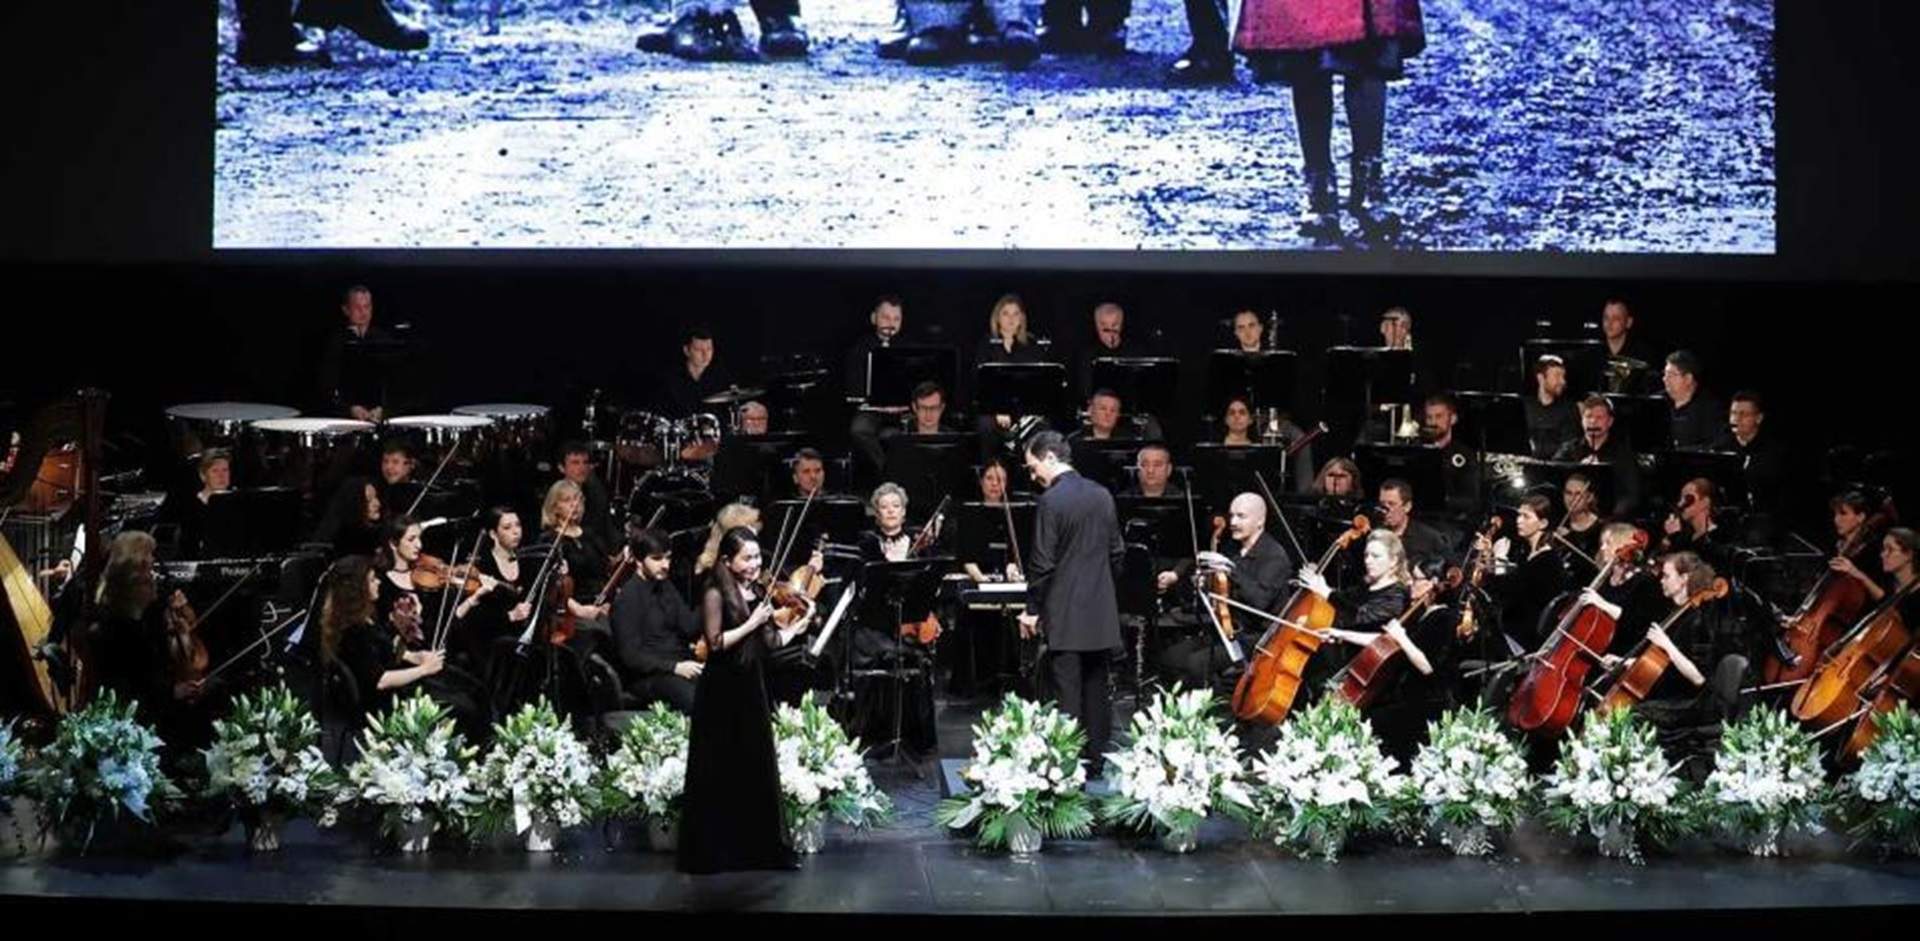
[(647, 775), (1885, 790), (13, 755), (537, 770), (265, 759), (1766, 779), (821, 771), (102, 761), (1612, 780), (1026, 772), (1470, 780), (1179, 767), (414, 769), (1324, 780)]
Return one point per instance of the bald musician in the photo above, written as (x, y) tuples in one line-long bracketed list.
[(1259, 571)]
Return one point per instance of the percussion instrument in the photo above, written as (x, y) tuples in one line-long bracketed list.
[(197, 426), (643, 438), (699, 437), (311, 453), (733, 396), (437, 433), (517, 426)]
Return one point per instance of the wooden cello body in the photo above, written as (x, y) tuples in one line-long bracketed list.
[(1267, 689), (1834, 604), (1549, 697), (1901, 683), (1834, 690), (1646, 666)]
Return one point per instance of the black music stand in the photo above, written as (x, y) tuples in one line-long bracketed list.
[(907, 590), (1228, 470), (253, 522), (893, 371), (983, 531), (1159, 523), (755, 465), (1360, 379), (929, 467), (1727, 470), (1645, 420), (1267, 379), (1146, 385), (1496, 422), (1105, 461), (1586, 364), (1020, 389), (839, 518), (1549, 479), (1418, 465)]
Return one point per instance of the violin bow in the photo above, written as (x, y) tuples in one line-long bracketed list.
[(1013, 539), (1298, 549), (428, 487), (540, 588), (265, 636), (445, 628)]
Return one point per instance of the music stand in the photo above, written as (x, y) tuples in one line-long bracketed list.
[(1586, 364), (893, 371), (1366, 376), (1228, 469), (1549, 478), (928, 467), (1727, 470), (1146, 385), (983, 531), (1496, 422), (907, 590), (1020, 389), (253, 522), (752, 465), (1267, 379), (1646, 420), (1159, 523), (1420, 466), (1105, 460)]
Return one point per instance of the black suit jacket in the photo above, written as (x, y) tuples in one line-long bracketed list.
[(652, 628), (356, 370), (1076, 548)]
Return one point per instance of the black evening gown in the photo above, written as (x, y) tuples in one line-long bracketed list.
[(731, 817)]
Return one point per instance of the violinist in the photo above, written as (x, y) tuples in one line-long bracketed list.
[(1367, 606), (352, 636), (889, 540), (135, 643), (399, 604), (1526, 572), (502, 609), (1259, 572), (994, 478), (586, 558), (1897, 549), (1420, 691), (654, 630)]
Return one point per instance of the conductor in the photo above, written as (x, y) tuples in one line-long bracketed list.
[(1070, 588)]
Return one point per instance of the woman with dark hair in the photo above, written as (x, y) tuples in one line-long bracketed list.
[(352, 522), (502, 611), (732, 818), (1897, 561), (408, 614), (351, 636), (1304, 44), (1523, 573)]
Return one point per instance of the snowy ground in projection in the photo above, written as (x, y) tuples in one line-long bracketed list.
[(1528, 125)]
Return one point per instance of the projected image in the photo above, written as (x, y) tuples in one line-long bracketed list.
[(1626, 126)]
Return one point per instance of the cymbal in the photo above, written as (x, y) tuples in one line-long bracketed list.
[(733, 396)]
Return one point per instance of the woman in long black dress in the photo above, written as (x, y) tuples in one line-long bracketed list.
[(732, 818)]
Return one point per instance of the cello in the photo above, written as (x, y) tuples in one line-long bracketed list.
[(1899, 683), (1866, 652), (1267, 689), (1370, 671), (1830, 606), (1648, 663), (1549, 696)]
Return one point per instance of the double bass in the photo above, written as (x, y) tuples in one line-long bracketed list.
[(1267, 689), (1648, 663), (1549, 697), (1371, 670), (1833, 603)]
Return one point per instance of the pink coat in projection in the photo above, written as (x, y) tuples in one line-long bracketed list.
[(1302, 25)]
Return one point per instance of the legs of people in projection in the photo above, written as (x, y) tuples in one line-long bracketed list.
[(1103, 31), (268, 36), (1366, 103), (709, 31), (368, 19), (941, 32), (1207, 59)]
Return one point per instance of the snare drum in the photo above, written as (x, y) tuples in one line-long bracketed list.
[(312, 454), (197, 426), (437, 433), (517, 426)]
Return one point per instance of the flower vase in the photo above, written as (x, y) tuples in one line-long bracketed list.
[(415, 837), (663, 834), (1023, 838), (263, 833), (1467, 839), (1616, 839), (542, 834), (809, 835), (1180, 839)]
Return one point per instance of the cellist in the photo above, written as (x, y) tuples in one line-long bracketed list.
[(1422, 689), (1260, 573), (1630, 596), (1676, 703), (1367, 606), (1897, 550)]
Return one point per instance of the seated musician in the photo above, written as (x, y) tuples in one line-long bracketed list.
[(1679, 704), (1103, 424), (889, 540), (1418, 691), (1630, 358), (879, 635), (1460, 467), (1526, 573), (398, 489), (1249, 334), (1368, 606), (1691, 526), (654, 630), (130, 650), (1110, 341), (753, 418), (402, 606), (994, 477), (735, 516), (888, 318), (1259, 572), (215, 470), (375, 662), (1552, 420), (1339, 479), (576, 465), (503, 608), (1581, 526), (588, 560), (1236, 422), (685, 388), (1007, 341), (353, 521), (1766, 456), (1153, 473), (1598, 444), (1897, 564), (1630, 595), (1421, 541), (809, 474), (929, 410), (1696, 417)]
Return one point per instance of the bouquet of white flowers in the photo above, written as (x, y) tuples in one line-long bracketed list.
[(1324, 780), (1180, 766), (821, 775), (1766, 779), (1024, 780), (413, 773), (1612, 780), (265, 759), (1885, 791), (1470, 780), (538, 775), (647, 774), (101, 762), (12, 756)]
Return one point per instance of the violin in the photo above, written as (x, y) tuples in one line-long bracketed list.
[(430, 573), (1477, 565), (794, 598), (1833, 603), (927, 629), (1370, 671), (1648, 663), (622, 570), (1863, 654), (1266, 691), (1549, 696), (186, 653), (1219, 585)]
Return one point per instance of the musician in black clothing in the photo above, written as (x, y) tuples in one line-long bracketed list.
[(1598, 444), (353, 519), (189, 512), (1070, 589), (356, 372), (1007, 341), (576, 465), (1259, 572), (1630, 595), (1526, 572), (587, 557), (1103, 424), (1417, 691), (1692, 527), (1765, 455), (1153, 473), (1898, 551), (128, 648), (879, 635), (1109, 341), (398, 489), (1580, 524), (1630, 358), (654, 630), (1460, 465), (503, 611), (887, 318), (1552, 419), (1680, 704), (1698, 418), (1368, 606), (685, 389), (1421, 541)]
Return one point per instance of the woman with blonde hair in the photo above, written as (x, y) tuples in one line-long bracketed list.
[(731, 516), (584, 555), (1007, 341)]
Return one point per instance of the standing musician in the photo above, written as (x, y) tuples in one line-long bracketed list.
[(354, 379), (503, 608), (1527, 572), (1418, 693), (654, 630), (1070, 595), (1365, 607), (1552, 420), (1598, 444), (586, 558), (1259, 572), (1695, 416), (1153, 473)]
